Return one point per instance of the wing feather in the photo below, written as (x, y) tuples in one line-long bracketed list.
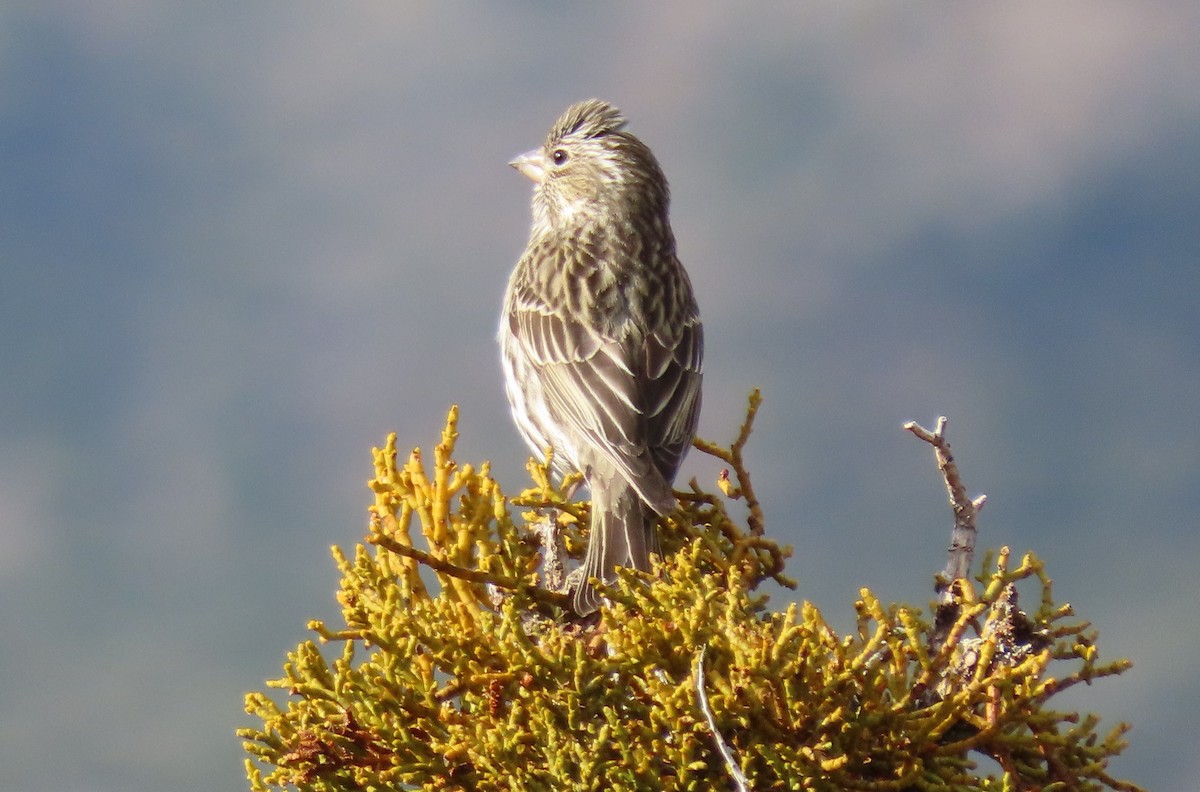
[(634, 400)]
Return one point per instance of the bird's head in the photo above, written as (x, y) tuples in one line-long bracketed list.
[(589, 170)]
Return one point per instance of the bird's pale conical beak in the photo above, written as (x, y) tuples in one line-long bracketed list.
[(532, 164)]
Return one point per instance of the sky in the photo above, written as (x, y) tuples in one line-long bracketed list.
[(242, 242)]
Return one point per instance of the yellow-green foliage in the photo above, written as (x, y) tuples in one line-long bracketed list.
[(437, 682)]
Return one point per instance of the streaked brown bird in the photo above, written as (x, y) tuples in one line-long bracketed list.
[(601, 337)]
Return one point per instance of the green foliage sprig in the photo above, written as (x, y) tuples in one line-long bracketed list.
[(459, 669)]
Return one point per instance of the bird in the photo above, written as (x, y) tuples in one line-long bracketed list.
[(600, 334)]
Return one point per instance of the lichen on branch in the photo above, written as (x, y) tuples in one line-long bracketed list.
[(458, 665)]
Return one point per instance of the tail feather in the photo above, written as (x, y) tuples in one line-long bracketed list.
[(623, 533)]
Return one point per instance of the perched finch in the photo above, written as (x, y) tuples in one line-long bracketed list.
[(601, 338)]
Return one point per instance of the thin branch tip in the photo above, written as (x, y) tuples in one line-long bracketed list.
[(936, 437)]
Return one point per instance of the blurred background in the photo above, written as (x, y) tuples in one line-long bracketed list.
[(240, 243)]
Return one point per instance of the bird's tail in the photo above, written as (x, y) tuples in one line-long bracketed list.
[(623, 534)]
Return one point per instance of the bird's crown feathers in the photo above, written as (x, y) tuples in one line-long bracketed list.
[(590, 119)]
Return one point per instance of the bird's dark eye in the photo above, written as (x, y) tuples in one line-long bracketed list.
[(560, 156)]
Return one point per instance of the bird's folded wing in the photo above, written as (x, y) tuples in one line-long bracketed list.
[(671, 392), (600, 389)]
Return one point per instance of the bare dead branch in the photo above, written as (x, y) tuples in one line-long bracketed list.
[(966, 510), (726, 755)]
